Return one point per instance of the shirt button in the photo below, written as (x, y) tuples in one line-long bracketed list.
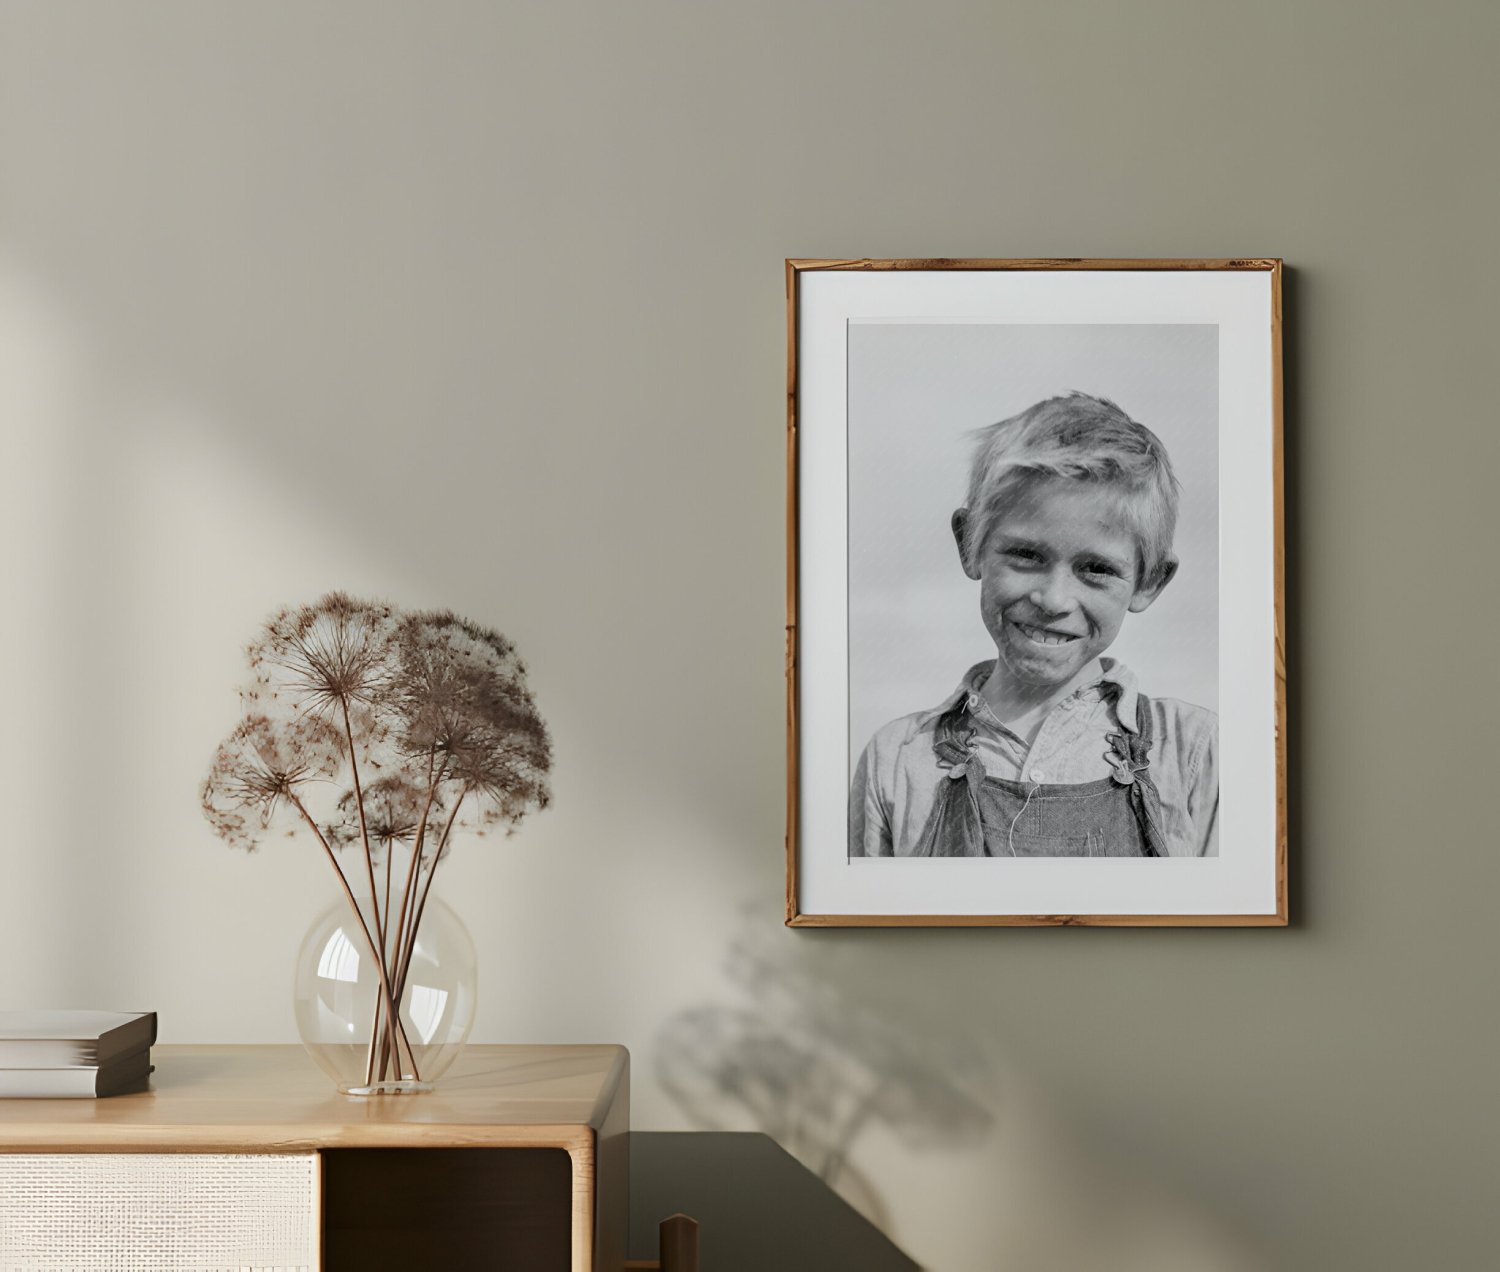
[(1038, 776)]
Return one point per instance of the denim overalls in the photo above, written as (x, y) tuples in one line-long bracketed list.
[(981, 816)]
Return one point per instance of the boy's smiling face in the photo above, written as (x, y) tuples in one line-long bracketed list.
[(1058, 571)]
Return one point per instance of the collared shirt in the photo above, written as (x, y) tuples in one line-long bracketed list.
[(897, 781)]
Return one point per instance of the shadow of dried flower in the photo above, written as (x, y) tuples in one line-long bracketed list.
[(805, 1062)]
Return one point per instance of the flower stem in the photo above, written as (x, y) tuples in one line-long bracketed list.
[(385, 984), (434, 777), (364, 838), (409, 943), (364, 833)]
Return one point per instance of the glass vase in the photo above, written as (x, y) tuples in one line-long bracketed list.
[(341, 1000)]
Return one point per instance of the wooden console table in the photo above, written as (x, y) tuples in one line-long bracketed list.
[(519, 1159)]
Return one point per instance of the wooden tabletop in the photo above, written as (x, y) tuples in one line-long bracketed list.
[(275, 1099)]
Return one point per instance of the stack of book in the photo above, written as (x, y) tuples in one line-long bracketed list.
[(52, 1055)]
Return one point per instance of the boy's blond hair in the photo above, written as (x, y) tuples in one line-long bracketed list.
[(1082, 438)]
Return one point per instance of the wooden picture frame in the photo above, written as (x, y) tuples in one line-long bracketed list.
[(899, 372)]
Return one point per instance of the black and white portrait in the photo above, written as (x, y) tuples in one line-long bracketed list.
[(1036, 673), (1033, 590)]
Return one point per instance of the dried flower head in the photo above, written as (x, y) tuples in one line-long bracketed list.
[(323, 658), (423, 708), (394, 806), (461, 696), (261, 767)]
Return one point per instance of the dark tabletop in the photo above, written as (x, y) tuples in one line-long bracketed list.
[(757, 1206)]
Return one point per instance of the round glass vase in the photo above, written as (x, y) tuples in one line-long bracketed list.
[(341, 1000)]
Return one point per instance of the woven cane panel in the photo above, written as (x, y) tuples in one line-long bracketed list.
[(158, 1212)]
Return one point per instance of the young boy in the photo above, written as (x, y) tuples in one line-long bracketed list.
[(1051, 750)]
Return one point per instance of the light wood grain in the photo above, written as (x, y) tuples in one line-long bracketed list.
[(275, 1099), (1035, 920), (1043, 262), (792, 655), (1278, 496), (612, 1172), (262, 1099)]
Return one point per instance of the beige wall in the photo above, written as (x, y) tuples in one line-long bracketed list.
[(481, 305)]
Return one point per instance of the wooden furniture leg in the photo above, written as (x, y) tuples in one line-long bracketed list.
[(679, 1244)]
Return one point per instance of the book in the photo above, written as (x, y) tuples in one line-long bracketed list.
[(72, 1039), (119, 1076)]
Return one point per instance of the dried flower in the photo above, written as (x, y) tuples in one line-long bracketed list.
[(428, 718), (394, 807), (461, 696), (323, 658), (260, 768)]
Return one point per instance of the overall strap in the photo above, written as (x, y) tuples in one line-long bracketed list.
[(1131, 764), (954, 828)]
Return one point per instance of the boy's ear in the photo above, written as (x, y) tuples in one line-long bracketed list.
[(960, 524), (1154, 586)]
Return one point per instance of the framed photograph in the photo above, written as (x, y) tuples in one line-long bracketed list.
[(1035, 667)]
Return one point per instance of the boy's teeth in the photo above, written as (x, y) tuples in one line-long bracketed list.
[(1044, 637)]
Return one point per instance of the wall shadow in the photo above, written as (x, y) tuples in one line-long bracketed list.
[(795, 1055)]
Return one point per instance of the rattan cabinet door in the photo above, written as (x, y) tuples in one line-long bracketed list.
[(159, 1212)]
